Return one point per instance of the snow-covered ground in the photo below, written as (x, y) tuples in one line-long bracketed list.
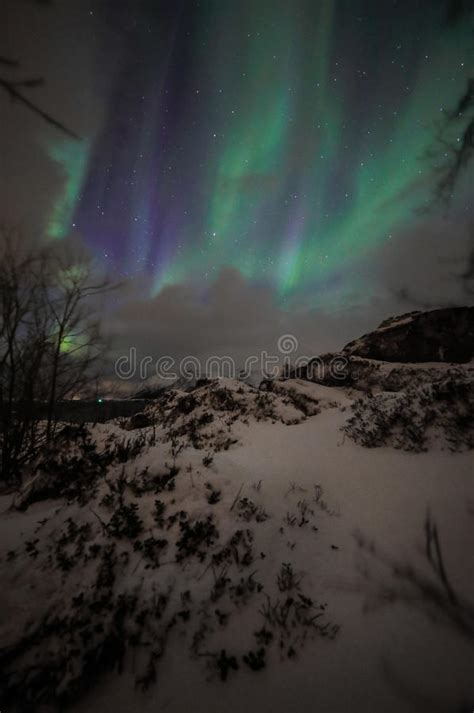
[(329, 576)]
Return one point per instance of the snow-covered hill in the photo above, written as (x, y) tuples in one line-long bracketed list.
[(242, 549)]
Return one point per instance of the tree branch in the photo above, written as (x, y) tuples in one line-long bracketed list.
[(11, 88)]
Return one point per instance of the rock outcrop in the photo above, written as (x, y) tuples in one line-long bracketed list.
[(418, 347), (440, 335), (414, 376)]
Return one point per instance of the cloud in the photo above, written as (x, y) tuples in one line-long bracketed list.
[(419, 268), (231, 317), (423, 265)]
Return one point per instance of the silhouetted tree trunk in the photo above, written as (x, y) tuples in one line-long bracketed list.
[(49, 343)]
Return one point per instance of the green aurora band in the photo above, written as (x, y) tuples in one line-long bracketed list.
[(287, 143)]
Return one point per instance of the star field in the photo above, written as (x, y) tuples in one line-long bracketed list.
[(285, 139)]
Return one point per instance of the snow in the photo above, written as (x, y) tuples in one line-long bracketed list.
[(389, 658)]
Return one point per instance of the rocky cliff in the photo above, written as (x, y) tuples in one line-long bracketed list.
[(440, 335)]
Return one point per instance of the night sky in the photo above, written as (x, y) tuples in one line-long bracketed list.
[(282, 142)]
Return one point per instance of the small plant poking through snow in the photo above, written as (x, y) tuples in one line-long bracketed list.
[(196, 538), (286, 578), (225, 664), (321, 503), (247, 510), (158, 513), (213, 495), (125, 522), (255, 660), (207, 460)]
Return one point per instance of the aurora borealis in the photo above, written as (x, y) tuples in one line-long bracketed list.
[(283, 139)]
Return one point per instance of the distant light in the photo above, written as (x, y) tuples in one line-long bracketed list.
[(99, 401)]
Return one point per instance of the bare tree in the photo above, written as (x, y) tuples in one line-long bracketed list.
[(76, 344), (458, 151), (18, 89), (22, 340), (49, 345), (455, 138)]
